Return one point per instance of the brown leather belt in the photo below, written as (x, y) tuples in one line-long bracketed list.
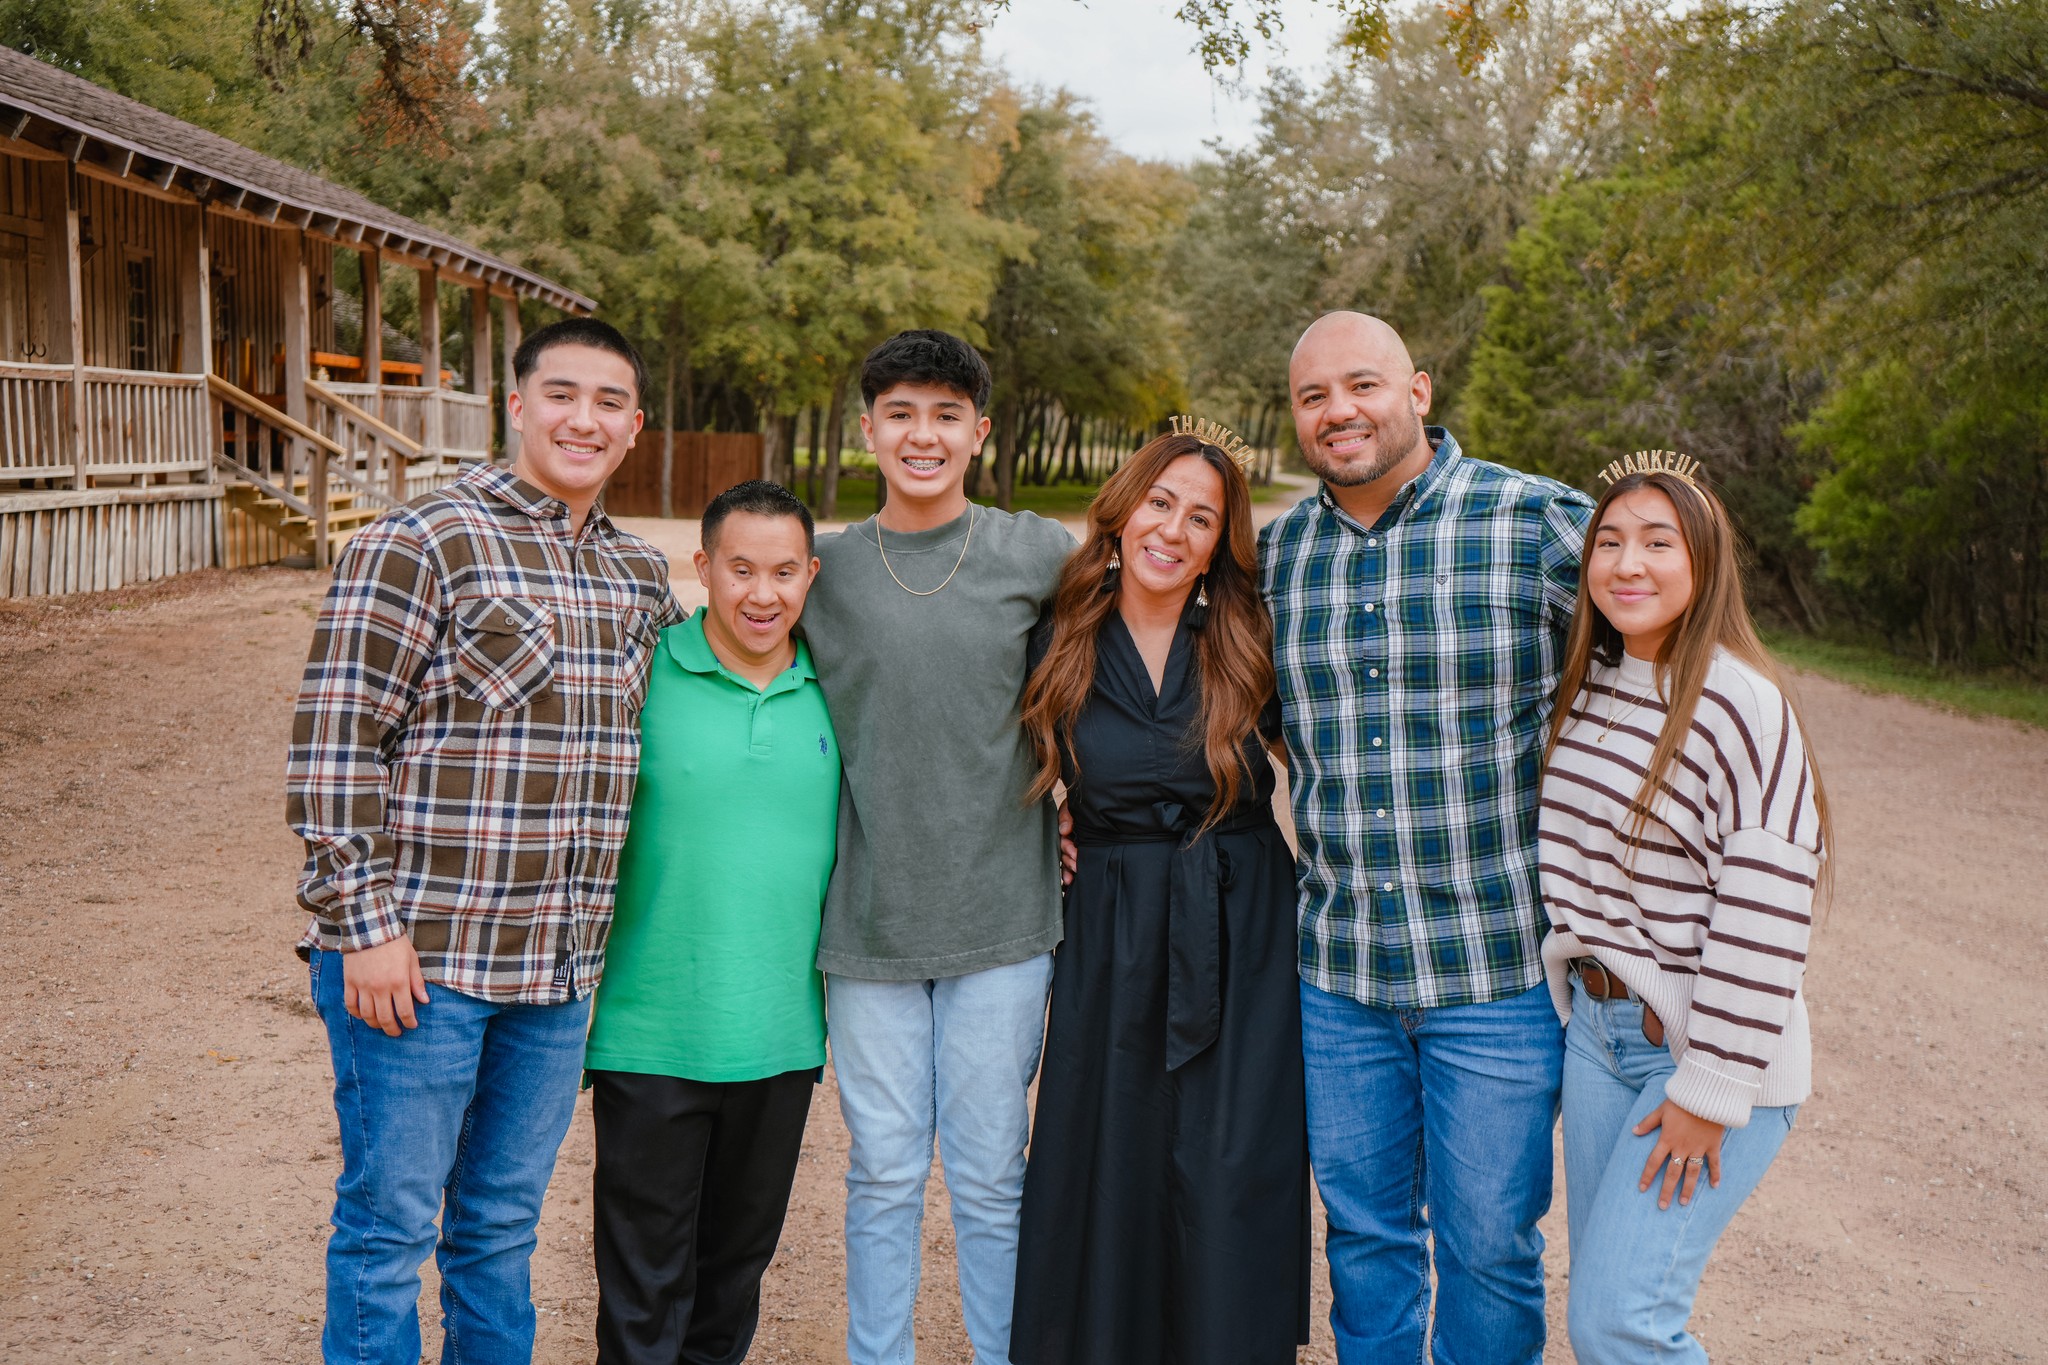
[(1602, 984)]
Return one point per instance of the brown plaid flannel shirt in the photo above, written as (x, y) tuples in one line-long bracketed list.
[(468, 733)]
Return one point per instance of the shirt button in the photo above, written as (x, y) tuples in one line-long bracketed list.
[(1375, 741), (510, 622), (1372, 542), (1380, 814), (1372, 672), (1368, 606), (1386, 886)]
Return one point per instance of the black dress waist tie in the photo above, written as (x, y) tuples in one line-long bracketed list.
[(1201, 871)]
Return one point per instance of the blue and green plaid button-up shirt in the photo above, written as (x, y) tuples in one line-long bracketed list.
[(1417, 661)]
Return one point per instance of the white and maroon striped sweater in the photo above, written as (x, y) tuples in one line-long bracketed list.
[(1709, 924)]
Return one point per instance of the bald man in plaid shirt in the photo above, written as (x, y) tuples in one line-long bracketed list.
[(462, 765), (1420, 604)]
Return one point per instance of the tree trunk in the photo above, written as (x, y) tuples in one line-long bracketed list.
[(835, 424), (668, 440), (771, 458), (811, 464), (1006, 453)]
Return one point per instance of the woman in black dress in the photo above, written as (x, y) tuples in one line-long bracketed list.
[(1165, 1212)]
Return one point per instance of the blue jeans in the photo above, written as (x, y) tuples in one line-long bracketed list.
[(1433, 1122), (459, 1117), (1636, 1267), (950, 1059)]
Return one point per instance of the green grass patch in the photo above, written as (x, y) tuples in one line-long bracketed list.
[(1877, 670)]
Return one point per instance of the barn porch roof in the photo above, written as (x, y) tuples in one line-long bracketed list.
[(144, 147)]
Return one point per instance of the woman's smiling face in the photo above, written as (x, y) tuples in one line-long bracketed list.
[(1638, 569), (1168, 541)]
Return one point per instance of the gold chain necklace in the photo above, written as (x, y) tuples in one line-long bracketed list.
[(928, 592), (1614, 719)]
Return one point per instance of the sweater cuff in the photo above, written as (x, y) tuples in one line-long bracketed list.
[(1715, 1096)]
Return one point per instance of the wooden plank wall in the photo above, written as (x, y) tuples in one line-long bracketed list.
[(248, 301), (24, 249), (104, 546), (707, 463), (147, 231)]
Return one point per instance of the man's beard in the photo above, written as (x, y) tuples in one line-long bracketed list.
[(1390, 453)]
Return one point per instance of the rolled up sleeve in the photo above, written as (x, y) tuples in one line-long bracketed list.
[(372, 642)]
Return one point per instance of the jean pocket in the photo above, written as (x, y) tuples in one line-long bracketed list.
[(504, 651)]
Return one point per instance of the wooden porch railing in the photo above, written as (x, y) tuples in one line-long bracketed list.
[(376, 453), (35, 421), (137, 421), (447, 424), (286, 460)]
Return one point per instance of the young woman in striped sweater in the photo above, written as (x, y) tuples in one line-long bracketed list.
[(1683, 833)]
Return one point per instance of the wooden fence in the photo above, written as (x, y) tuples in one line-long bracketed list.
[(706, 464)]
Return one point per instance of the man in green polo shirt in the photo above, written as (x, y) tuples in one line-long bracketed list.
[(710, 1023)]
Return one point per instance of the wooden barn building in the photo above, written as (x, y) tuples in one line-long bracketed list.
[(196, 368)]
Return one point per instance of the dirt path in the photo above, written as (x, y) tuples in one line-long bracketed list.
[(167, 1148)]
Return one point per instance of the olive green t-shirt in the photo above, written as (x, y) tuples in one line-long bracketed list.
[(710, 973), (944, 868)]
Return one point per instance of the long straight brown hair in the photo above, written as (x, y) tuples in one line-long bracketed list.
[(1716, 618), (1234, 649)]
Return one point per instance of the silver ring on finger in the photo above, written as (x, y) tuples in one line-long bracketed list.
[(1695, 1161)]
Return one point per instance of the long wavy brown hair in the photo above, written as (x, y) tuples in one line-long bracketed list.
[(1716, 618), (1233, 650)]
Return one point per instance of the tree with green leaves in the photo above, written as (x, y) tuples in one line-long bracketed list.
[(1079, 325)]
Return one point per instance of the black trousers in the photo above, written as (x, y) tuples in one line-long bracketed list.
[(693, 1180)]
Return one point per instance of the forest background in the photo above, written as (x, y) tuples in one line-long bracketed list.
[(1805, 242)]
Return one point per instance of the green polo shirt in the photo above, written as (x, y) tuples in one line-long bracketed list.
[(711, 970)]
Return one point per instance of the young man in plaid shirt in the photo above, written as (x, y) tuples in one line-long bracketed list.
[(1420, 602), (461, 769)]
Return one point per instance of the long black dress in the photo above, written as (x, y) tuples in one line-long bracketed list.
[(1165, 1214)]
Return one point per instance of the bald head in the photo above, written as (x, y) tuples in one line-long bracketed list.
[(1358, 405), (1356, 334)]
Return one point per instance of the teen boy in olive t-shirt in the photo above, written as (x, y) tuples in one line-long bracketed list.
[(945, 905), (710, 1024)]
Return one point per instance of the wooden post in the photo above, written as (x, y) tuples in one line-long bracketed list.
[(373, 328), (196, 318), (295, 292), (74, 331), (508, 307), (372, 273), (480, 359), (480, 352), (430, 357)]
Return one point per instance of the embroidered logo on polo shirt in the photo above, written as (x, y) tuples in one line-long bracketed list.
[(823, 747)]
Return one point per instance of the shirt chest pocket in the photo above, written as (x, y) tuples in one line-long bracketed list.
[(504, 651)]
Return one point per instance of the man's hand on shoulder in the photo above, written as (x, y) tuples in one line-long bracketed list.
[(380, 984)]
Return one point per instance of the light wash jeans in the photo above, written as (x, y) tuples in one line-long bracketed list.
[(953, 1059), (1433, 1125), (1636, 1267), (460, 1117)]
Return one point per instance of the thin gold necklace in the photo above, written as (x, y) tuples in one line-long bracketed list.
[(956, 563), (1613, 719)]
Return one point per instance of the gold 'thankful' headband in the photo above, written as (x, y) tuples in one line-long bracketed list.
[(1215, 434), (1653, 462)]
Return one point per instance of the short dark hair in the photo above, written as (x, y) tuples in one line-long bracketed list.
[(926, 357), (763, 499), (590, 332)]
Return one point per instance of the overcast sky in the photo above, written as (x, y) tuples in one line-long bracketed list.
[(1134, 64)]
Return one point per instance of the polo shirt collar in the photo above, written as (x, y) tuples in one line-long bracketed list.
[(691, 651), (1445, 453)]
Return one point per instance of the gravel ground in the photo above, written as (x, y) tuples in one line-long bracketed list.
[(167, 1145)]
